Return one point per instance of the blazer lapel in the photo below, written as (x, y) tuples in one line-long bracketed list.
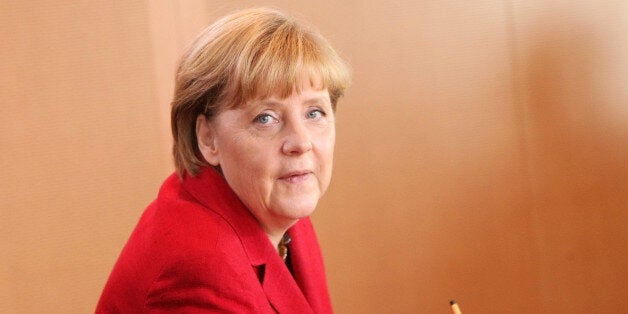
[(278, 284), (281, 289), (307, 266)]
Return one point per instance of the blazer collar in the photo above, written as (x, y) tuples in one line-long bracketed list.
[(211, 190)]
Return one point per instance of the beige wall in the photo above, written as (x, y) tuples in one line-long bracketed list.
[(481, 152), (81, 147)]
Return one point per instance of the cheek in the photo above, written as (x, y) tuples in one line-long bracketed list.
[(326, 152), (236, 149), (255, 162), (330, 141), (248, 161), (246, 170)]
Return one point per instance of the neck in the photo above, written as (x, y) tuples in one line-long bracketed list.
[(275, 238), (275, 234)]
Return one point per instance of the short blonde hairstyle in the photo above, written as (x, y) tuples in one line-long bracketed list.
[(255, 53)]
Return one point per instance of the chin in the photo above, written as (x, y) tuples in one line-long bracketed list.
[(301, 210)]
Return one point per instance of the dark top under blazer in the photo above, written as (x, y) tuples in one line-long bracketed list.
[(197, 248)]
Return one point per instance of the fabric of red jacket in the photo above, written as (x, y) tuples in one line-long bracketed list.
[(197, 248)]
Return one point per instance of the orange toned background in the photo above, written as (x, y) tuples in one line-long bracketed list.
[(482, 150)]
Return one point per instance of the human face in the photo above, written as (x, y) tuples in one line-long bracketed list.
[(276, 154)]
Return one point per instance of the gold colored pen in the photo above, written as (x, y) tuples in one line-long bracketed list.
[(454, 307)]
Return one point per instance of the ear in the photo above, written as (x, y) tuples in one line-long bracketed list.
[(206, 140)]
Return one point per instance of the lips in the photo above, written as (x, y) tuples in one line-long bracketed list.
[(296, 176)]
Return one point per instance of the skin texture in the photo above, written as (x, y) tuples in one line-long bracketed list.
[(276, 154)]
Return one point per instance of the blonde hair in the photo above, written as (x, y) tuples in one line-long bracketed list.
[(250, 54)]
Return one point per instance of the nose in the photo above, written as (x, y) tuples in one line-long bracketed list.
[(297, 139)]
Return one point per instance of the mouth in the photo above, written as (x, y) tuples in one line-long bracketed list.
[(296, 176)]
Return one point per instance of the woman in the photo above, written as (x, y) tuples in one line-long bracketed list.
[(253, 127)]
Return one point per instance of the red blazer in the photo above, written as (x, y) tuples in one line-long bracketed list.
[(197, 248)]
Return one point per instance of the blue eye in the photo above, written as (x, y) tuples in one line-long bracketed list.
[(314, 114), (264, 118)]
